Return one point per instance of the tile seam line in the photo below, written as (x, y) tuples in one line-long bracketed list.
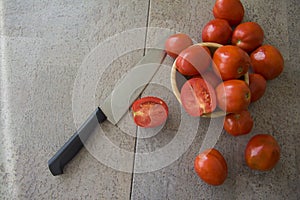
[(135, 142)]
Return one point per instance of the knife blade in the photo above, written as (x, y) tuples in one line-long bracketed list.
[(112, 109)]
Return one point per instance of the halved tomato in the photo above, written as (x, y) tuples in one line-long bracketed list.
[(149, 111), (198, 97)]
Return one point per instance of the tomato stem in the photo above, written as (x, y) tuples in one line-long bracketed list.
[(237, 116), (240, 70), (248, 95)]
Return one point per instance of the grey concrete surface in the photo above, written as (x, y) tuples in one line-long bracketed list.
[(277, 113), (43, 45)]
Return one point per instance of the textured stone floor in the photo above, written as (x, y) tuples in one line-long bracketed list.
[(45, 49)]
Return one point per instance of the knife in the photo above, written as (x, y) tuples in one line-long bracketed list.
[(112, 109)]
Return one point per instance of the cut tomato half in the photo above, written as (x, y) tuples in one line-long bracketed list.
[(149, 112), (198, 97)]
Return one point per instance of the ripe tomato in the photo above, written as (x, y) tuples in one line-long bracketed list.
[(248, 36), (231, 62), (207, 50), (238, 123), (217, 30), (177, 43), (262, 152), (231, 10), (193, 60), (198, 97), (233, 96), (211, 167), (149, 112), (212, 78), (267, 61), (257, 84)]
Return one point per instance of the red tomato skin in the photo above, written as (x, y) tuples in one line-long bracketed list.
[(262, 152), (248, 36), (218, 31), (231, 62), (230, 10), (267, 61), (198, 97), (237, 124), (149, 112), (177, 43), (233, 96), (257, 84), (211, 167), (212, 78), (193, 60), (207, 50)]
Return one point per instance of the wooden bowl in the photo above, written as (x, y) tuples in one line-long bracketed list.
[(177, 80)]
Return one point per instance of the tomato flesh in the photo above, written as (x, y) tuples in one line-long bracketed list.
[(149, 112), (198, 97)]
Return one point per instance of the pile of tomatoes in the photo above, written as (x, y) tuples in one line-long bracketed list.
[(216, 80)]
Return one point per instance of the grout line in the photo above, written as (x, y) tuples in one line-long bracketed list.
[(147, 24), (135, 141), (132, 174)]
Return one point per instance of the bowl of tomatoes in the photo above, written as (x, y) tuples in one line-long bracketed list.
[(196, 80)]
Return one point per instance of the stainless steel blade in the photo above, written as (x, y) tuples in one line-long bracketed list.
[(132, 85)]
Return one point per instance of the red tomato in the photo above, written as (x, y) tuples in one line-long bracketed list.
[(207, 50), (193, 60), (248, 36), (212, 78), (198, 97), (177, 43), (230, 10), (238, 123), (257, 84), (211, 167), (231, 62), (233, 96), (262, 152), (267, 61), (217, 30), (149, 112)]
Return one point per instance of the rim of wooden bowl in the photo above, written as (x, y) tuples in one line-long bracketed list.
[(176, 92)]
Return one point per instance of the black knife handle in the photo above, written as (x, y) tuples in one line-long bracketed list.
[(75, 143)]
